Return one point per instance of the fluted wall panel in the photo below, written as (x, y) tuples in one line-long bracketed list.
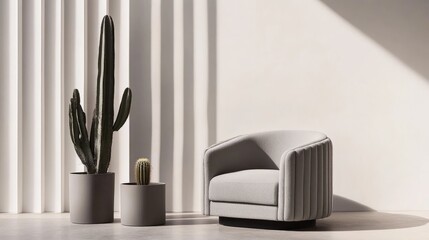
[(50, 47)]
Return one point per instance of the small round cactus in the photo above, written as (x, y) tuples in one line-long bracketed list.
[(142, 171)]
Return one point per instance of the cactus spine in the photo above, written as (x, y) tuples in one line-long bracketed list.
[(142, 171), (95, 150)]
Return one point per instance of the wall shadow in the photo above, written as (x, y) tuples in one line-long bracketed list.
[(166, 157), (4, 103), (212, 68), (398, 26), (69, 84), (140, 81), (189, 160), (188, 108)]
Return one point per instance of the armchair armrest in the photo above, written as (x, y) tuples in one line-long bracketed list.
[(236, 154), (305, 184)]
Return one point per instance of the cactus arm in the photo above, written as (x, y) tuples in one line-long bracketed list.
[(82, 157), (73, 122), (79, 134), (74, 134), (85, 144), (124, 109), (81, 117)]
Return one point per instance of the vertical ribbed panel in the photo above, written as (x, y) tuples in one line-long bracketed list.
[(330, 174), (50, 47), (167, 98), (69, 72), (81, 59), (326, 178), (322, 179), (178, 105), (140, 71), (188, 104), (33, 106), (319, 182), (155, 77), (54, 101), (299, 185), (120, 11), (44, 57), (307, 182), (15, 109), (201, 76), (11, 105), (313, 182), (289, 187), (306, 192), (97, 10), (75, 77)]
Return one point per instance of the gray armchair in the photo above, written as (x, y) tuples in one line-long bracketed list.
[(269, 179)]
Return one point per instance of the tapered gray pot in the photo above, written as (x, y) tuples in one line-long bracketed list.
[(91, 197), (143, 205)]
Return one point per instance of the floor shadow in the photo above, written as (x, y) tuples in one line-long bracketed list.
[(342, 204), (190, 219), (181, 216), (398, 26), (360, 221)]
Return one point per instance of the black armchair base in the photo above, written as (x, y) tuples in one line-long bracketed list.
[(266, 224)]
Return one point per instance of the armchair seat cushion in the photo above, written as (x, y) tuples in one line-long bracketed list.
[(256, 186)]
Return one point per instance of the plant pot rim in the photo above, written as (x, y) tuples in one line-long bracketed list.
[(91, 174), (152, 184)]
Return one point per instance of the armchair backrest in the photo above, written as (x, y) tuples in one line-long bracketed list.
[(275, 143)]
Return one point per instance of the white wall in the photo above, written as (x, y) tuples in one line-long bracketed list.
[(204, 70), (355, 70)]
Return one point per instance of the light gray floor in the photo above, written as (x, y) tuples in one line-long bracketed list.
[(344, 225)]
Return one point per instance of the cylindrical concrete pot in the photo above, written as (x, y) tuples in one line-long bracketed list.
[(91, 197), (143, 205)]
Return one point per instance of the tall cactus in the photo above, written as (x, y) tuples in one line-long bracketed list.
[(95, 150), (142, 171)]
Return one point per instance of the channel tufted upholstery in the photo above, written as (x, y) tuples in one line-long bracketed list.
[(279, 175)]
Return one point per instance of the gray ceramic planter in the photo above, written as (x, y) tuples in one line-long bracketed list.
[(91, 197), (142, 205)]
